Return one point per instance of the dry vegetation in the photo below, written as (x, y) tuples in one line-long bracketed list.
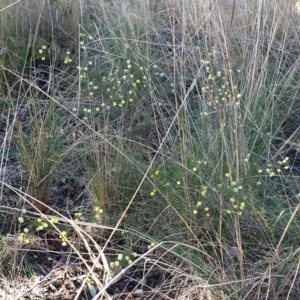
[(149, 149)]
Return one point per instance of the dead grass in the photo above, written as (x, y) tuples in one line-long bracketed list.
[(183, 170)]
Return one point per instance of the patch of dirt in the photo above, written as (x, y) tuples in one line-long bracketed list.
[(59, 274)]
